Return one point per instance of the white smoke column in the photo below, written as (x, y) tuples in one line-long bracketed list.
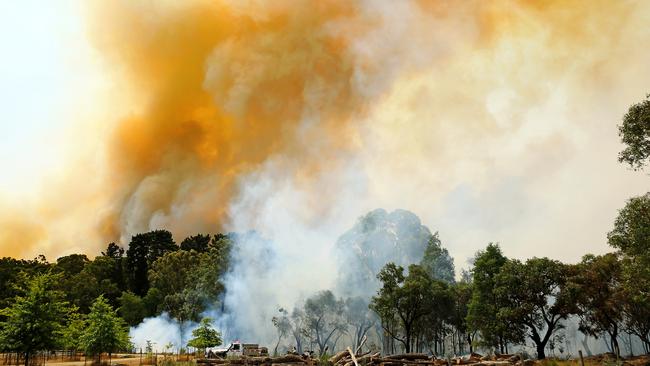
[(288, 258), (160, 331)]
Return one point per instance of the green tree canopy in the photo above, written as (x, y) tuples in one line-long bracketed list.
[(205, 336), (74, 329), (437, 261), (635, 134), (132, 308), (631, 232), (403, 301), (187, 281), (324, 319), (595, 286), (35, 320), (14, 275), (483, 310), (105, 331), (533, 294)]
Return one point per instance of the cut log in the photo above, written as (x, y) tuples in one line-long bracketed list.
[(408, 356), (212, 361), (288, 359), (338, 356)]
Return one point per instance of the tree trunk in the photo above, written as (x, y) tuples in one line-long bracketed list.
[(275, 350), (26, 358), (407, 344), (585, 344), (540, 350), (180, 326)]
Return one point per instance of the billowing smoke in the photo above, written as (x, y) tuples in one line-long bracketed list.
[(293, 118), (161, 333)]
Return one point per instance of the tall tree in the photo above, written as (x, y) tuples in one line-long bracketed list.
[(324, 318), (143, 250), (187, 281), (105, 331), (635, 133), (631, 235), (534, 295), (403, 300), (35, 320), (462, 296), (483, 311), (435, 325), (595, 286), (437, 261), (283, 326), (636, 299)]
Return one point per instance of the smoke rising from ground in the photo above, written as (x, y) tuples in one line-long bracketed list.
[(492, 121)]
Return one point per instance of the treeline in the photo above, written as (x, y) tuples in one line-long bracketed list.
[(506, 302), (500, 302), (59, 305)]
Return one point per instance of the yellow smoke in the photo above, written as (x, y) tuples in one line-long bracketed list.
[(208, 92)]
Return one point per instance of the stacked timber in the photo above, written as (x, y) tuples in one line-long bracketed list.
[(259, 361), (349, 358)]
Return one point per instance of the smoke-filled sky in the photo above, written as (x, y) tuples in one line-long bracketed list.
[(491, 120)]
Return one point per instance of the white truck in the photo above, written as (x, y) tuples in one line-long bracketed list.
[(237, 349)]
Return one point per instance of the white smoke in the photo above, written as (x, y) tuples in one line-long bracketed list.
[(160, 331)]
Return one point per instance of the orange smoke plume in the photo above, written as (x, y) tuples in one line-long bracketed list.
[(208, 92)]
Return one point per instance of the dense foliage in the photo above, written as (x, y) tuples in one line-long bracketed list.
[(635, 134)]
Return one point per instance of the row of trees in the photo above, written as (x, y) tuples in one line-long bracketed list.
[(60, 300), (505, 301), (41, 319), (323, 319), (152, 276)]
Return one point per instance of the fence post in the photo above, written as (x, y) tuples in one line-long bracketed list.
[(582, 361)]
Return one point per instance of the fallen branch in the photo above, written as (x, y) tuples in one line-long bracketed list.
[(354, 359)]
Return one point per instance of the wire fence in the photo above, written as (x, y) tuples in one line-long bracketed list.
[(53, 357)]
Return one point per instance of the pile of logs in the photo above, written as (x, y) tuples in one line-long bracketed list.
[(349, 358), (259, 361)]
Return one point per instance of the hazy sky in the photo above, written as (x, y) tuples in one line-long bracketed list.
[(492, 121)]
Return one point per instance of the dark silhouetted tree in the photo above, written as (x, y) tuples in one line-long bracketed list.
[(143, 250)]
